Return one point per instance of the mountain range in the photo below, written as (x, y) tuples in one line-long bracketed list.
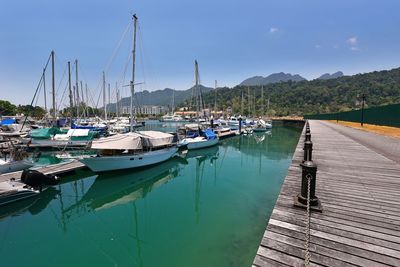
[(159, 97), (273, 78), (328, 76), (164, 97)]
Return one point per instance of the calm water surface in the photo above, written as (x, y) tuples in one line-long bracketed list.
[(209, 209)]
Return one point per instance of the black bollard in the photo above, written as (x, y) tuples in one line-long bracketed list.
[(240, 125), (308, 147), (309, 171), (308, 137)]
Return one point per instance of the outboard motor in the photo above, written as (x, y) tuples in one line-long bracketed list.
[(37, 179)]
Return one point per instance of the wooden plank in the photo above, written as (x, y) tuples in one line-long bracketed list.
[(359, 190)]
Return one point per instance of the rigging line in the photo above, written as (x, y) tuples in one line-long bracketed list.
[(141, 58), (37, 88), (117, 48), (62, 97), (62, 79)]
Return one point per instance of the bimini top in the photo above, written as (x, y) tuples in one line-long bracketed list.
[(155, 138), (130, 141)]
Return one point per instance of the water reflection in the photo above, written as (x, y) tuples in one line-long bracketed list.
[(32, 205), (122, 187), (202, 156)]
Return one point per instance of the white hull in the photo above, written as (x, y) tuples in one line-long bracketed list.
[(15, 166), (11, 191), (110, 163), (196, 143)]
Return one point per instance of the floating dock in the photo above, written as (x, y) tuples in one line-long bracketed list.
[(358, 184), (56, 169)]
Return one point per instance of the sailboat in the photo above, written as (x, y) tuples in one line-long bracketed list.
[(261, 125), (194, 136), (133, 149)]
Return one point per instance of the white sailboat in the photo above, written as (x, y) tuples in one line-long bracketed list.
[(195, 138), (130, 150), (134, 149)]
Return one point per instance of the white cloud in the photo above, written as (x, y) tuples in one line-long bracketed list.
[(352, 40), (273, 30)]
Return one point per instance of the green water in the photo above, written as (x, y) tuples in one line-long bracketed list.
[(209, 209)]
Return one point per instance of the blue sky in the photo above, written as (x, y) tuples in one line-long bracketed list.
[(232, 40)]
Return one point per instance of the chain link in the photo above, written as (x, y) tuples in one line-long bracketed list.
[(307, 243)]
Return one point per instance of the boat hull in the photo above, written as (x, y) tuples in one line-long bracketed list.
[(202, 144), (111, 163), (15, 166), (14, 191)]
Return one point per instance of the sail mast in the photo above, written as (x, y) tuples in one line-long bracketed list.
[(196, 72), (77, 88), (215, 101), (133, 68), (104, 96), (53, 85), (71, 103), (44, 90), (262, 100)]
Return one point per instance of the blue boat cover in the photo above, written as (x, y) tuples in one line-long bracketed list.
[(8, 121), (209, 133)]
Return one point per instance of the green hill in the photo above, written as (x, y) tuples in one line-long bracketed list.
[(316, 96)]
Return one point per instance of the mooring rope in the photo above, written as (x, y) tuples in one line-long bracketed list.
[(307, 233)]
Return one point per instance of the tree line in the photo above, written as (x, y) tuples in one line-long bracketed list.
[(309, 97)]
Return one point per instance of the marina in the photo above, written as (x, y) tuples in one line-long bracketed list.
[(200, 133), (211, 200)]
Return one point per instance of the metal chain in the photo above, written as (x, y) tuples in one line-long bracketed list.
[(307, 243)]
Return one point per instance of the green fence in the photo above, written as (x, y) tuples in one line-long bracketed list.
[(384, 115)]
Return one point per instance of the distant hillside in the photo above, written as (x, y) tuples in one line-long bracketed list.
[(328, 76), (273, 78), (316, 96), (159, 97)]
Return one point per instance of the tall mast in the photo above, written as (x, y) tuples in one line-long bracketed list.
[(215, 101), (248, 100), (71, 103), (196, 72), (117, 104), (109, 95), (173, 101), (44, 90), (242, 106), (53, 85), (87, 100), (77, 88), (262, 100), (133, 68), (104, 96)]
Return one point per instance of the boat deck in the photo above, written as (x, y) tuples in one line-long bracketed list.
[(358, 183)]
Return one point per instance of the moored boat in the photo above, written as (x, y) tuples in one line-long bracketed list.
[(131, 150)]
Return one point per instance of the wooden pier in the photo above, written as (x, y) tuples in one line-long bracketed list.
[(56, 169), (358, 183)]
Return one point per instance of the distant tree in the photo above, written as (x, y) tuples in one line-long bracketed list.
[(37, 112), (6, 108)]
